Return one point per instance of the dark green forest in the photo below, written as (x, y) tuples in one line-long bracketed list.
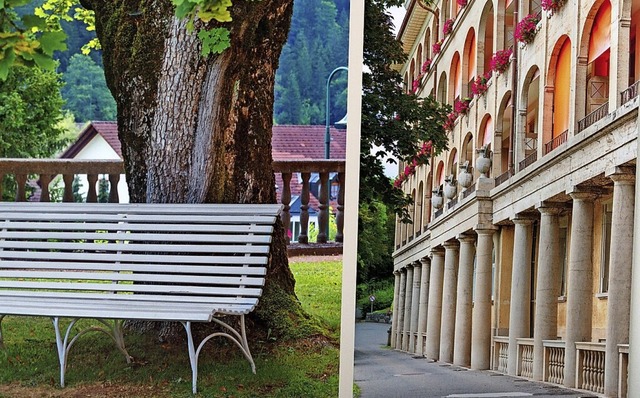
[(317, 44)]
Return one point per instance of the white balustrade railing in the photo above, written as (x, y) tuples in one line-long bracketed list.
[(553, 370), (500, 353), (590, 372), (525, 357)]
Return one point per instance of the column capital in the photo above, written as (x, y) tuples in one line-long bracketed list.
[(485, 229), (550, 208), (451, 245), (620, 173), (409, 265), (397, 272), (586, 194), (425, 261), (437, 251), (466, 237), (416, 264), (523, 220)]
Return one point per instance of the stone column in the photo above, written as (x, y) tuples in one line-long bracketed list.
[(579, 281), (408, 295), (618, 304), (519, 312), (447, 329), (415, 305), (464, 301), (424, 302), (400, 317), (481, 315), (396, 313), (549, 283), (435, 305)]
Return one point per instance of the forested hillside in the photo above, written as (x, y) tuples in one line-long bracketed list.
[(317, 44)]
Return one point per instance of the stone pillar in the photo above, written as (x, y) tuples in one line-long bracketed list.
[(435, 305), (481, 315), (634, 319), (620, 41), (464, 301), (415, 305), (424, 302), (579, 281), (396, 313), (400, 317), (549, 284), (447, 329), (519, 313), (408, 295), (618, 304)]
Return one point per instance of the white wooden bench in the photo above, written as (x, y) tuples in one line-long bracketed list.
[(114, 262)]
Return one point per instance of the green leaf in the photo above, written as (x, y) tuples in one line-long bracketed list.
[(32, 21), (214, 41), (5, 63), (52, 41), (43, 61)]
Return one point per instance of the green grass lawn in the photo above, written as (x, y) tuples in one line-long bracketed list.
[(306, 368)]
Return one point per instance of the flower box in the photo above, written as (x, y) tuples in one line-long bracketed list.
[(552, 5), (447, 27), (480, 84), (501, 60), (526, 29)]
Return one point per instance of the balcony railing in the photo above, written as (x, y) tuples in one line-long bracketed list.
[(504, 177), (438, 213), (556, 142), (47, 170), (528, 161), (593, 117), (590, 367), (554, 361), (467, 192), (630, 93), (525, 358), (452, 203)]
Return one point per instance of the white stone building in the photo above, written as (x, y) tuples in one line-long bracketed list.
[(526, 269)]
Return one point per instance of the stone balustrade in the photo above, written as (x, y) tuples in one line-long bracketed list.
[(553, 361), (40, 173), (501, 353), (525, 357), (590, 364)]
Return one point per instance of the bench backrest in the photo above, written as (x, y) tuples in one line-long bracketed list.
[(181, 252)]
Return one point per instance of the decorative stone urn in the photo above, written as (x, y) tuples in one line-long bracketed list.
[(465, 178), (450, 187), (437, 201), (483, 161)]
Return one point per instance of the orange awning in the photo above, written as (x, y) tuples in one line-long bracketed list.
[(600, 39)]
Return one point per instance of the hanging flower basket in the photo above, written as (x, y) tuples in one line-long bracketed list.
[(426, 65), (463, 3), (436, 47), (447, 27), (450, 122), (416, 84), (501, 60), (553, 5), (526, 29), (480, 84), (461, 107)]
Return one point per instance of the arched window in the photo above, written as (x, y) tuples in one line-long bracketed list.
[(485, 39), (598, 58), (504, 123), (456, 78), (469, 60), (442, 88), (561, 89)]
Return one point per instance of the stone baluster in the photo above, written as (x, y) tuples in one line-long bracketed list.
[(340, 209), (618, 305), (45, 179), (114, 179), (285, 199), (68, 187), (92, 196), (21, 191), (323, 217), (304, 209)]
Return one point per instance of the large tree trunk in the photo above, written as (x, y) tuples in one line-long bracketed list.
[(197, 129)]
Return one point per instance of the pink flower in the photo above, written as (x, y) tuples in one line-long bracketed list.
[(426, 65), (447, 27), (552, 5), (436, 47), (462, 3), (416, 84), (479, 85), (525, 30), (501, 60)]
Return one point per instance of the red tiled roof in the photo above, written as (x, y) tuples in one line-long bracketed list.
[(306, 142), (108, 131), (289, 142)]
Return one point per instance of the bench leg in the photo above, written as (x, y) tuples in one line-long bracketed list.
[(61, 344), (240, 339), (115, 333)]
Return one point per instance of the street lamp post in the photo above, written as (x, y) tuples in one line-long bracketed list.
[(327, 134)]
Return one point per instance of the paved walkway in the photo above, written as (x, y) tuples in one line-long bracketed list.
[(384, 373)]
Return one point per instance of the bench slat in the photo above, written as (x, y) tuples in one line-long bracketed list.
[(134, 247), (147, 208), (140, 219), (150, 268), (138, 258), (92, 227), (134, 237), (137, 277), (136, 288)]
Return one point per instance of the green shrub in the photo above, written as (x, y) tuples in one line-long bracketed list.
[(383, 292)]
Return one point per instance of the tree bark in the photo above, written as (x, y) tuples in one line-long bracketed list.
[(196, 129)]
